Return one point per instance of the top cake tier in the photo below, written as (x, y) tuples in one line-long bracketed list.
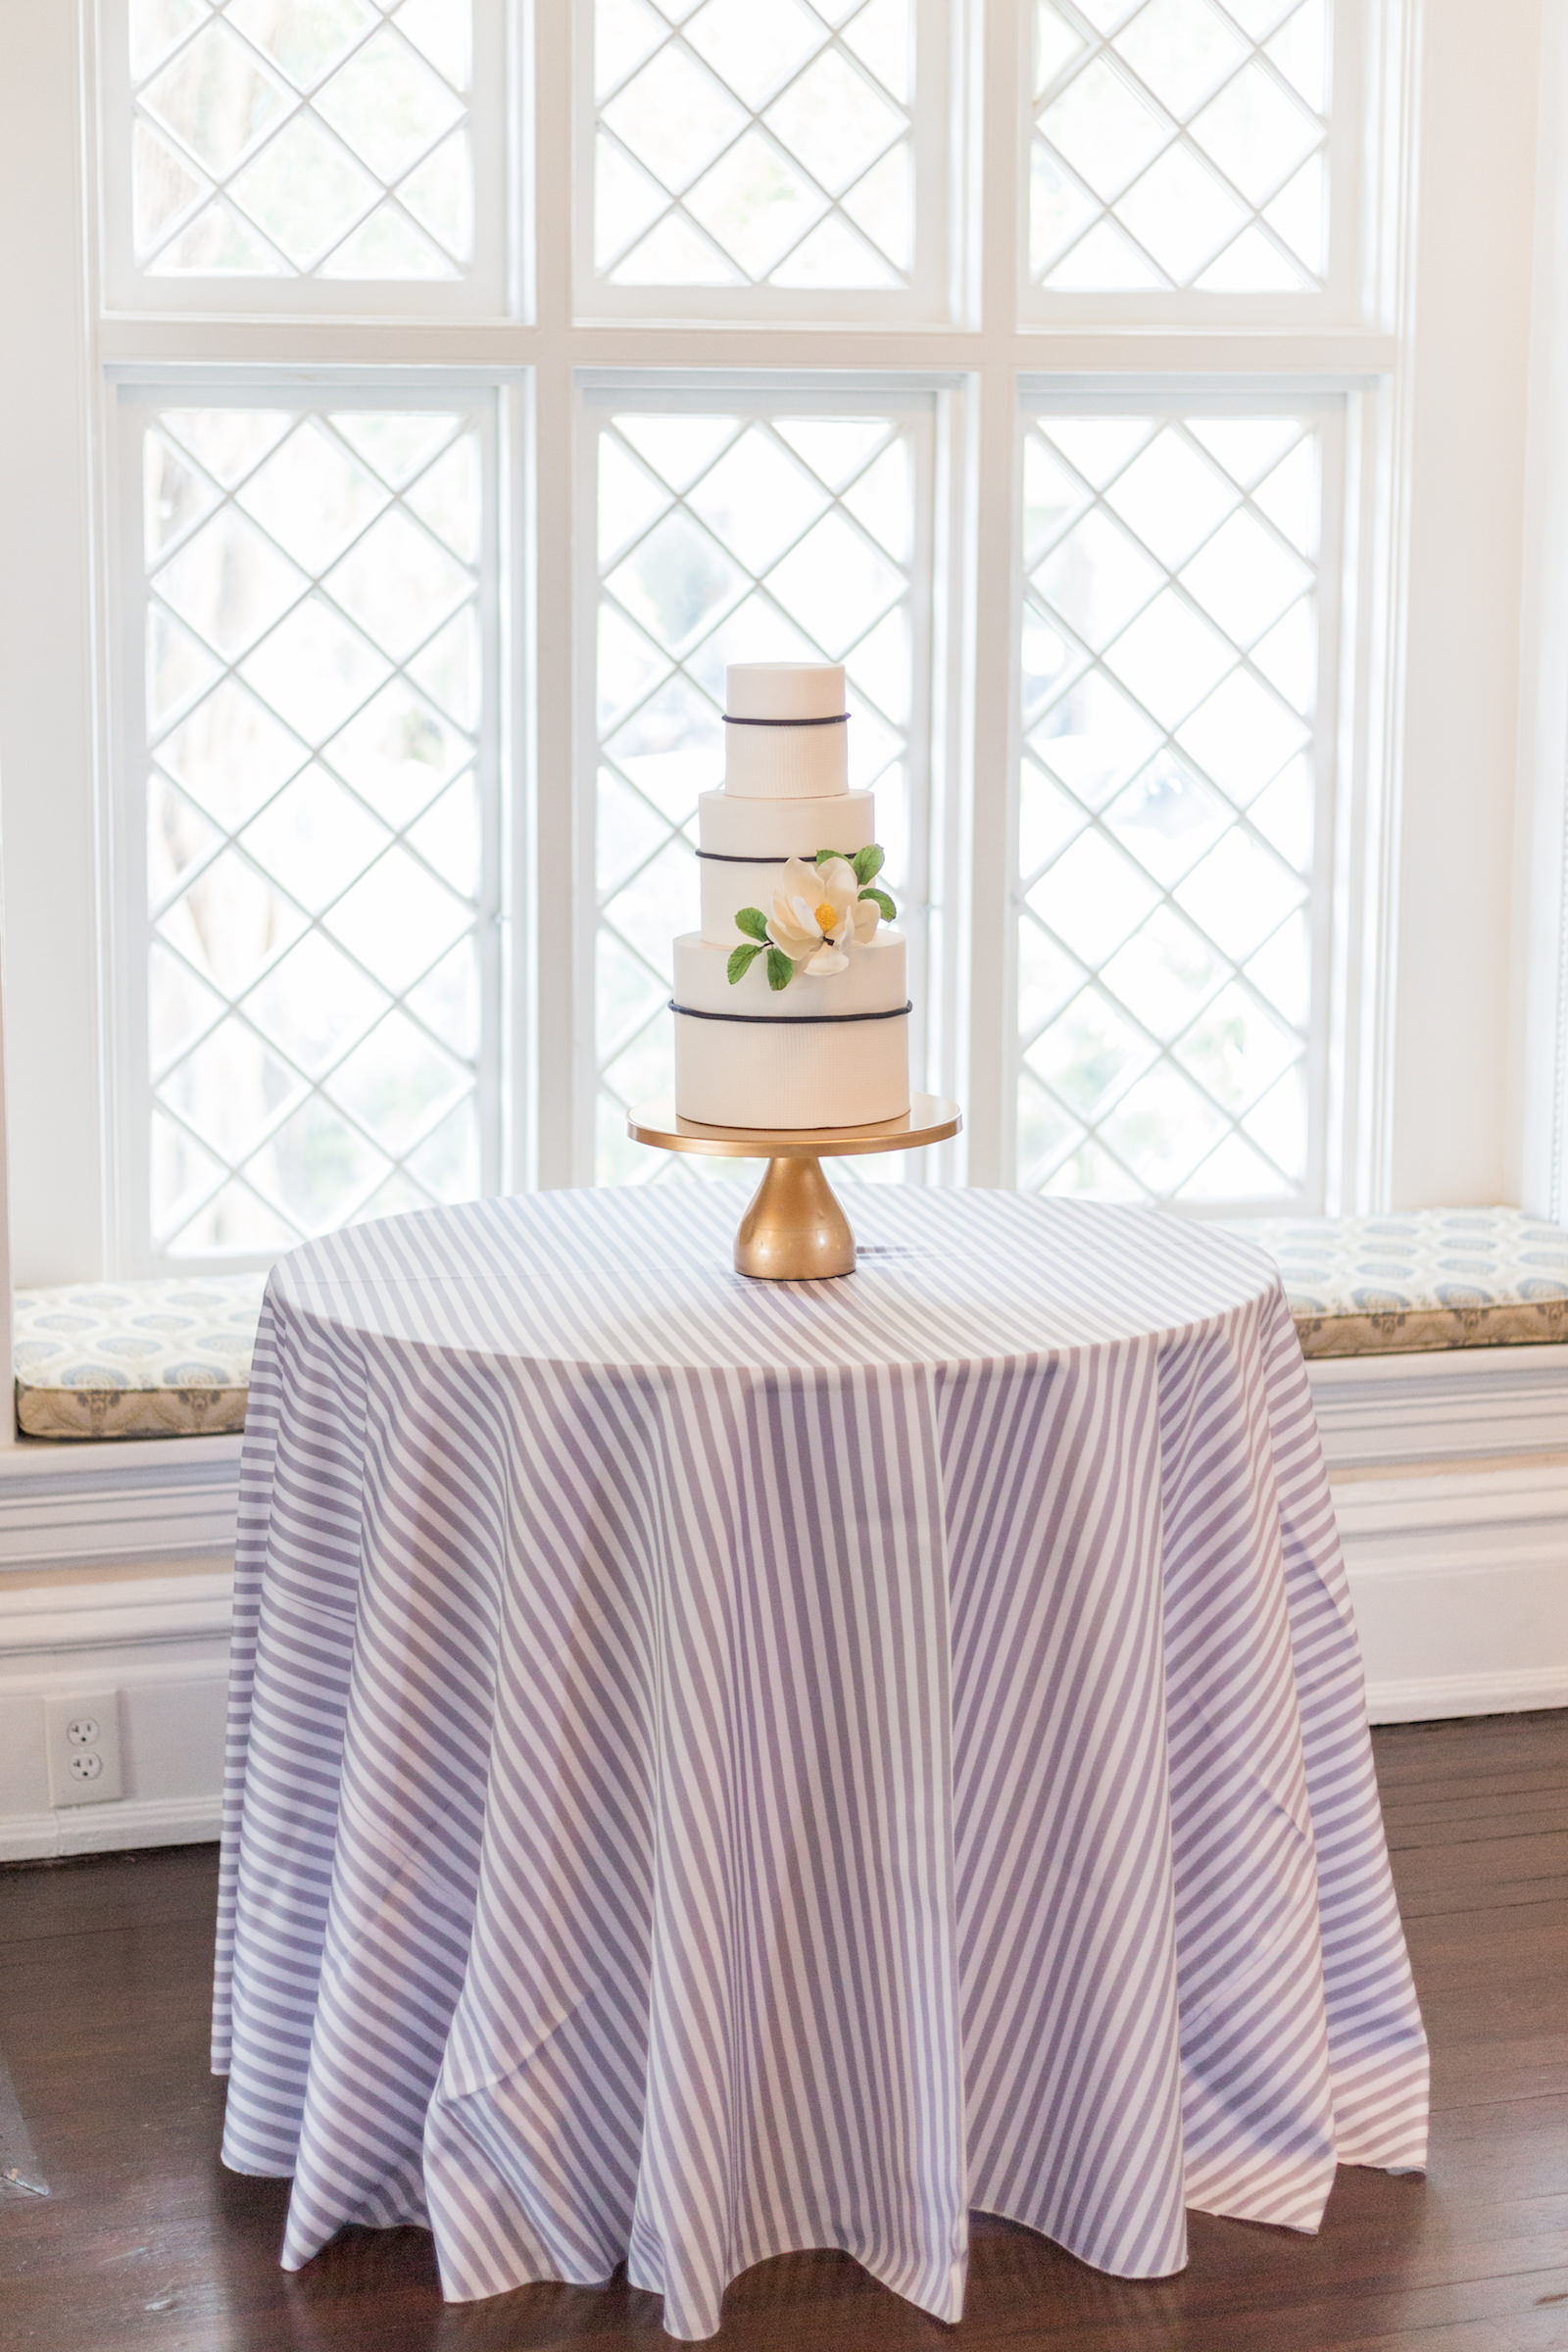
[(785, 730)]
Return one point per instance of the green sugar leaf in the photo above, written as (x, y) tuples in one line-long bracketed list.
[(754, 922), (822, 855), (780, 971), (883, 904), (867, 863), (740, 962)]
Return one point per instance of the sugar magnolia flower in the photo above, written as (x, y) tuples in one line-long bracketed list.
[(821, 903), (816, 911)]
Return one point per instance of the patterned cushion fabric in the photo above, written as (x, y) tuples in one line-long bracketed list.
[(1428, 1278), (136, 1359), (173, 1358)]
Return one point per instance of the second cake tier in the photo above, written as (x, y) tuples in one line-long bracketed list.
[(744, 846)]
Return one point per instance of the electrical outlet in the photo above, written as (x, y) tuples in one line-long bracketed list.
[(82, 1737)]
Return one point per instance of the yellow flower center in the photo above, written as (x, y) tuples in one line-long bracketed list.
[(826, 916)]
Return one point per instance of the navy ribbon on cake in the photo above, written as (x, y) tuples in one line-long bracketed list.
[(834, 718), (791, 1020)]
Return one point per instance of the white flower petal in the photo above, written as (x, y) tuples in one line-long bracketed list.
[(827, 960), (792, 925)]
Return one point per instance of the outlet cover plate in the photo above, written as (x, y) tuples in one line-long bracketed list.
[(82, 1734)]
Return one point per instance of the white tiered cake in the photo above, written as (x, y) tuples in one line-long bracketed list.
[(790, 1004)]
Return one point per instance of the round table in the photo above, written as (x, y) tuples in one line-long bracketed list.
[(721, 1768)]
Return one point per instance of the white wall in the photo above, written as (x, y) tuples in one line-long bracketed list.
[(46, 737), (1479, 77)]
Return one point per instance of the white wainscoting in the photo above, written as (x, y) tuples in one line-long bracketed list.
[(159, 1637), (114, 1572), (1450, 1480), (1451, 1483)]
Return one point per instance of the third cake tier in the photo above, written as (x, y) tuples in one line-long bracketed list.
[(823, 1053)]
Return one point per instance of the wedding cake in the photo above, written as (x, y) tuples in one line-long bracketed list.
[(790, 1004)]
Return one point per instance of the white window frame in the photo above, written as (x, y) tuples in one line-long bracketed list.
[(479, 293), (935, 294)]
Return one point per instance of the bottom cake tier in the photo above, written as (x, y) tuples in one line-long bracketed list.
[(831, 1052)]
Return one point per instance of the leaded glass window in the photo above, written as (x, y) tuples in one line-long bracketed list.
[(319, 808), (342, 156), (1170, 803), (1181, 145), (764, 161)]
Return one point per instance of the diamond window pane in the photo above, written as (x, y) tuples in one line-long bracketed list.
[(1183, 49), (737, 146), (1164, 862), (758, 500), (302, 138), (230, 583), (755, 50), (319, 836), (1089, 1053), (729, 537), (1179, 144), (1105, 129), (305, 38)]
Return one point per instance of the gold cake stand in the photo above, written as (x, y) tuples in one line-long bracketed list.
[(795, 1229)]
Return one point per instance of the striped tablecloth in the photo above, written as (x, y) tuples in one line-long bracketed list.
[(721, 1767)]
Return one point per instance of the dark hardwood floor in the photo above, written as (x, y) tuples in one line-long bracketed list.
[(145, 2245)]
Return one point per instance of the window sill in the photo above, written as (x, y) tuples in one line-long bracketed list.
[(34, 1457)]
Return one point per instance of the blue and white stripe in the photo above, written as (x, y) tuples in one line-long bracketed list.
[(719, 1768)]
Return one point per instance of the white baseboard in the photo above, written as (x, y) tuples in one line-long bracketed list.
[(109, 1829), (1432, 1698)]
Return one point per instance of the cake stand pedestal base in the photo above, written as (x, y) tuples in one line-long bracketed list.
[(795, 1229)]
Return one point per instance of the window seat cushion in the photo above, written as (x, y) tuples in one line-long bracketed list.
[(1424, 1279), (171, 1359), (136, 1359)]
